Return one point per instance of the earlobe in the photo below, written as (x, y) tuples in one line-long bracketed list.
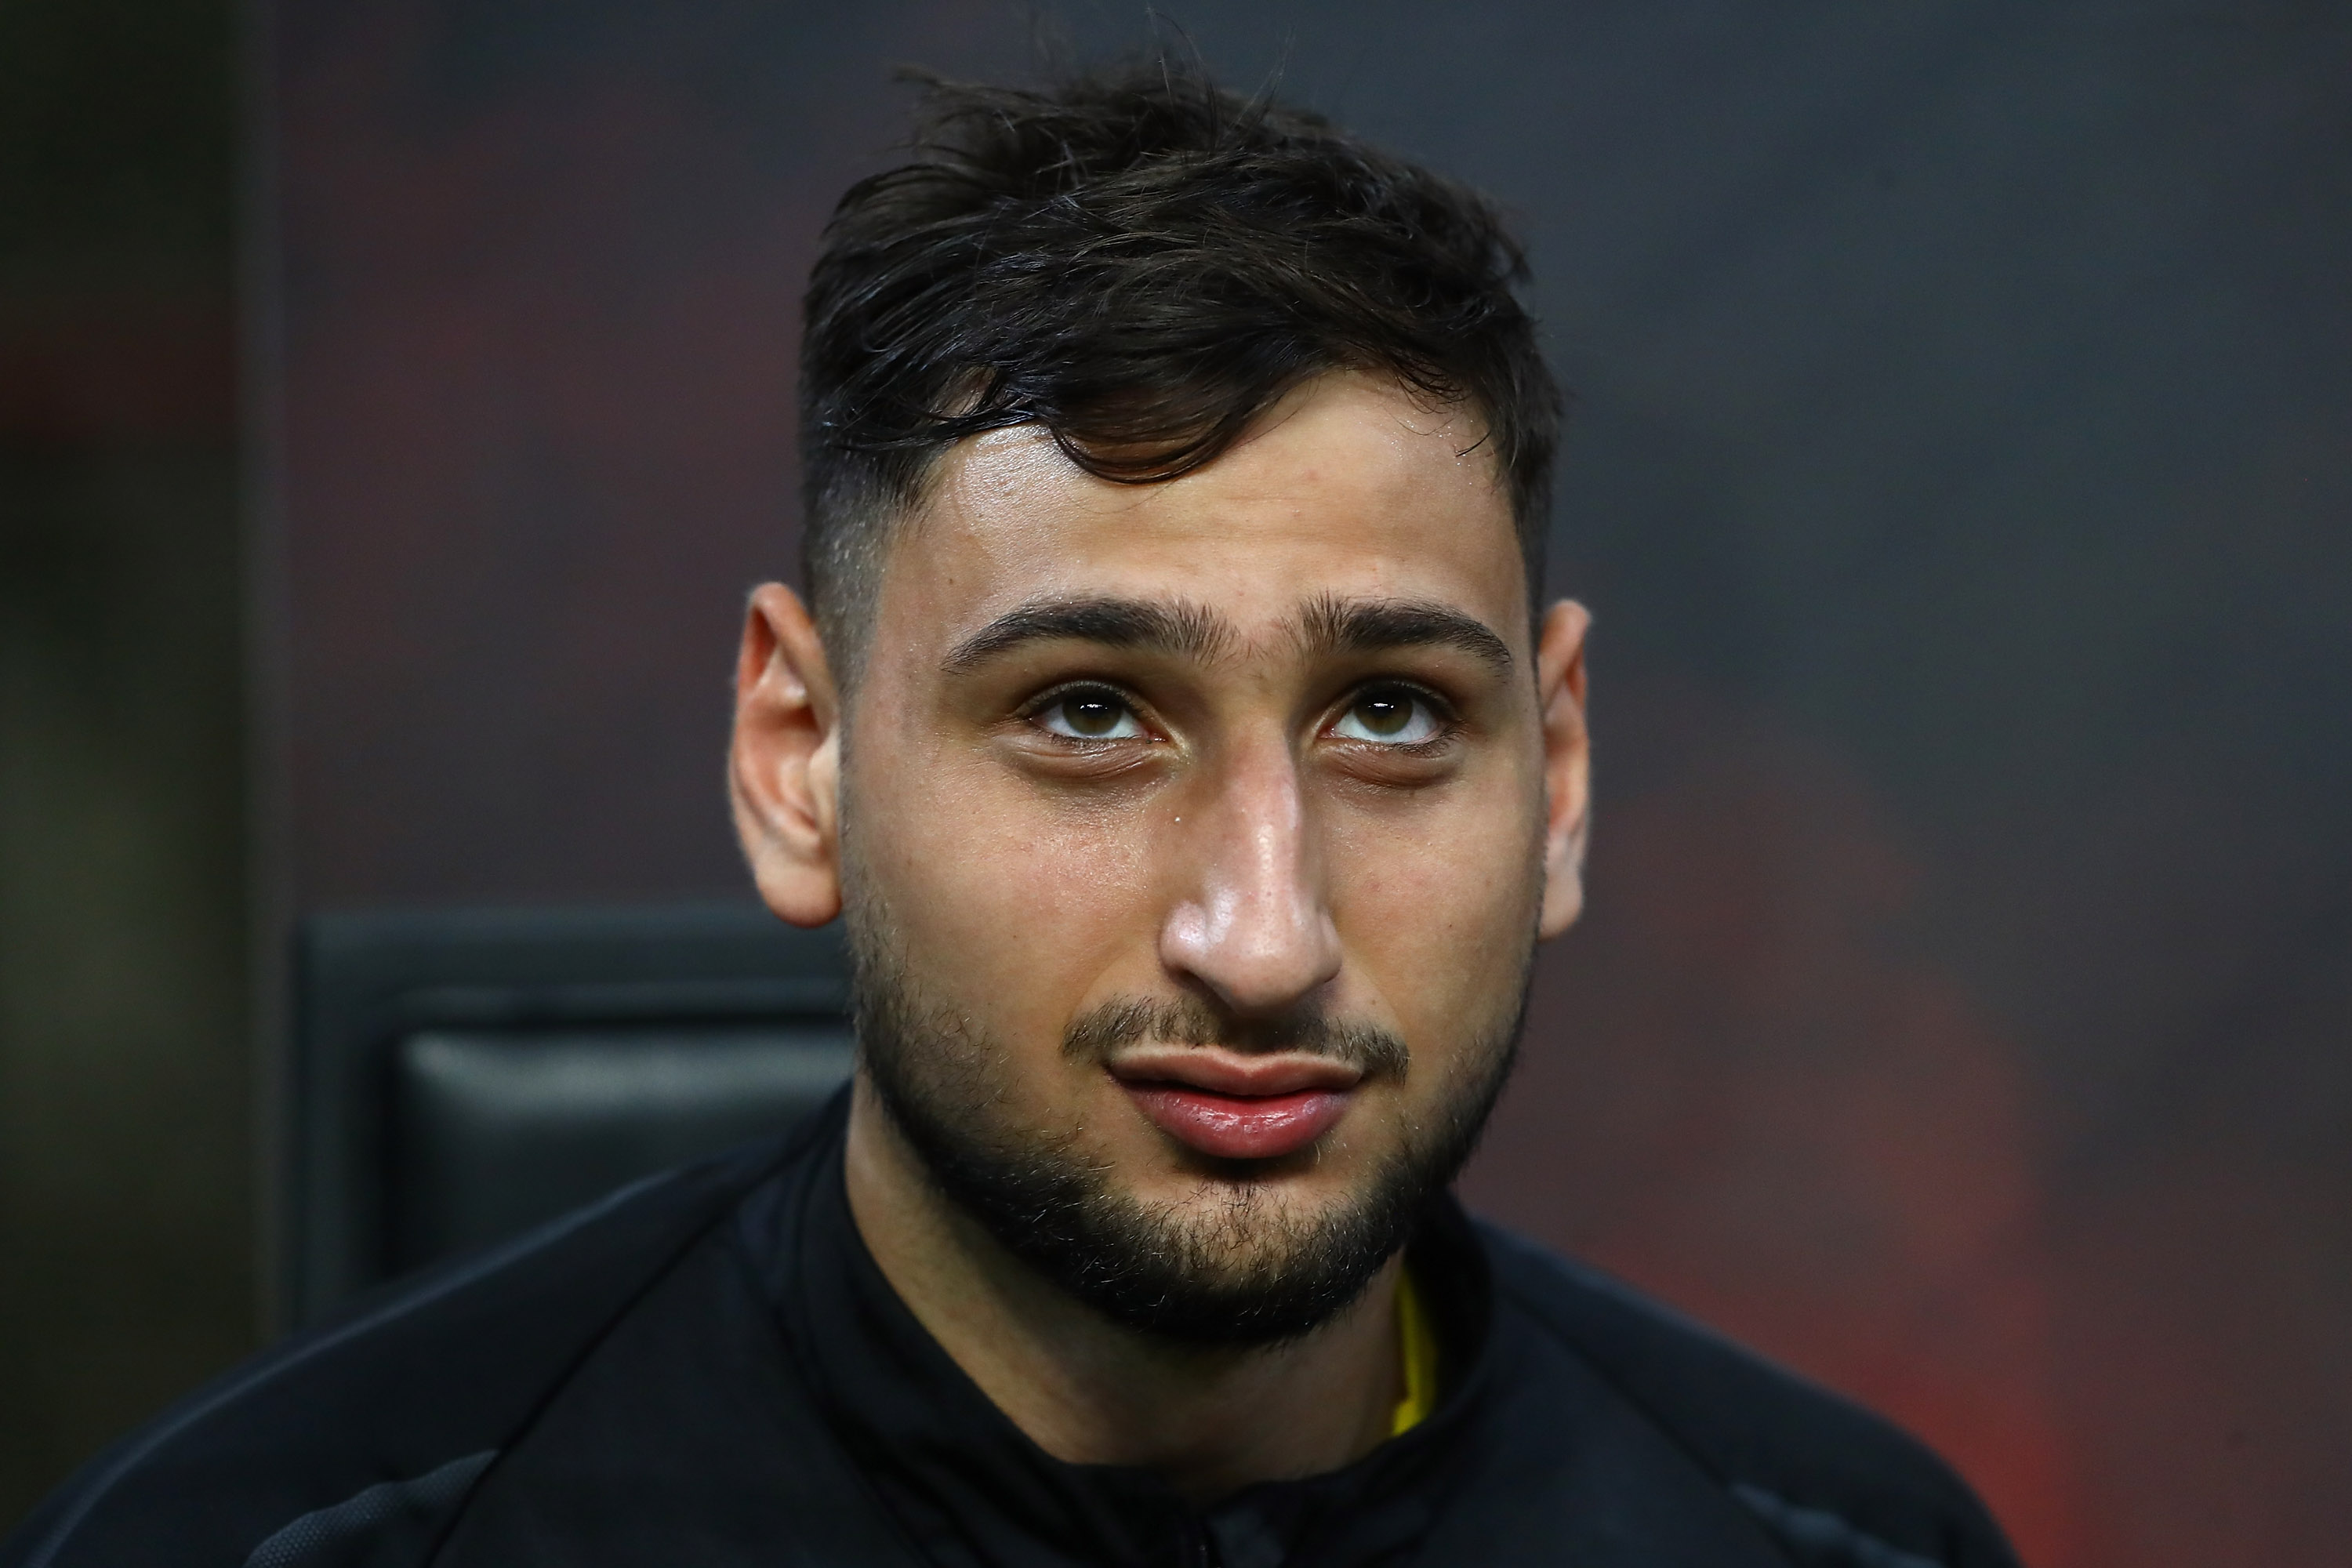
[(1568, 763), (784, 767)]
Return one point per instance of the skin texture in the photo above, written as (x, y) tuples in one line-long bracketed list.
[(1250, 834)]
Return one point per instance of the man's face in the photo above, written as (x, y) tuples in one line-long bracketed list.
[(1193, 842)]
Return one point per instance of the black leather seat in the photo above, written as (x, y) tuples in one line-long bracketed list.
[(459, 1077)]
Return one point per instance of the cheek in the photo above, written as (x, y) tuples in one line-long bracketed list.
[(1007, 906), (1437, 908)]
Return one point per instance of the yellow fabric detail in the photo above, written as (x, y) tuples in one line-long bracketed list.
[(1417, 1348)]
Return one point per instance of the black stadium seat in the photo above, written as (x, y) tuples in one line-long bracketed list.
[(459, 1077)]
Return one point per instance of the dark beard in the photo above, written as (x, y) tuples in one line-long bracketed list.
[(1139, 1265)]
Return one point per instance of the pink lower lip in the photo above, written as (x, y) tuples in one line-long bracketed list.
[(1234, 1127)]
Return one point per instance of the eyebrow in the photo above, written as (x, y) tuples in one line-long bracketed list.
[(1375, 626), (1176, 627)]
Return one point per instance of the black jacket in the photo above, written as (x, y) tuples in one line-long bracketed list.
[(708, 1370)]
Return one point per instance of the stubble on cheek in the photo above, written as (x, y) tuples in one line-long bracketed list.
[(956, 1086)]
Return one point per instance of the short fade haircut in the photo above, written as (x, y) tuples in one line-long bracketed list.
[(1140, 263)]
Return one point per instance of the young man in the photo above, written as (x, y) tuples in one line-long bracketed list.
[(1175, 725)]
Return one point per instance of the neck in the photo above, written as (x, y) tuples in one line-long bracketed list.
[(1209, 1419)]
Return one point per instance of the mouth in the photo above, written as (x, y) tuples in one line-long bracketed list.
[(1237, 1108)]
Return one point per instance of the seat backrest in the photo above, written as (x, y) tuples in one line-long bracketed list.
[(460, 1076)]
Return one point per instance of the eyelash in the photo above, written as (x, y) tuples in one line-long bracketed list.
[(1446, 723), (1045, 702)]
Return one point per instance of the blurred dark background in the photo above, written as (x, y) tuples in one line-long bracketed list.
[(1960, 473), (128, 1224)]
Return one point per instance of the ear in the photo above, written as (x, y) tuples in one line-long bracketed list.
[(1568, 763), (784, 769)]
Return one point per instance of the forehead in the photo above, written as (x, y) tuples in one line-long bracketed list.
[(1348, 489)]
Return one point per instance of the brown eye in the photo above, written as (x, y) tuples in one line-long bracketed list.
[(1091, 713), (1389, 715)]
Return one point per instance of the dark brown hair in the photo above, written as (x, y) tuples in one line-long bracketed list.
[(1140, 263)]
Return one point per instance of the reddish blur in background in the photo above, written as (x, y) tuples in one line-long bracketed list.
[(1960, 473)]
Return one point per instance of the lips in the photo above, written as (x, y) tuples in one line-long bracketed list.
[(1229, 1127), (1237, 1108)]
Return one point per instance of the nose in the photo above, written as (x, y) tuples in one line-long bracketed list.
[(1253, 927)]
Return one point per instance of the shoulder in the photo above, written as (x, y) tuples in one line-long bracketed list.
[(394, 1407), (1839, 1486)]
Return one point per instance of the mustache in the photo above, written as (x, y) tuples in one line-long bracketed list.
[(1371, 1051)]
